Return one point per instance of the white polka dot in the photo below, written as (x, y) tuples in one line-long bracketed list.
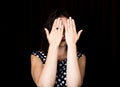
[(61, 71), (63, 82), (62, 77), (37, 56), (60, 64), (64, 73), (59, 80), (58, 85), (63, 66)]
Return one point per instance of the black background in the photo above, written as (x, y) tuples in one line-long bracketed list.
[(20, 23)]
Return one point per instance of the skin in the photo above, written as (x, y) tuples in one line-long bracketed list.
[(58, 39)]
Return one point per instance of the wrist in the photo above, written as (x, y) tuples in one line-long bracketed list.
[(53, 46), (71, 45)]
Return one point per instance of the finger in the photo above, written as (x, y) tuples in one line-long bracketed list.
[(79, 33), (54, 24), (73, 25), (60, 25), (66, 25), (58, 22), (61, 29), (70, 22), (46, 32)]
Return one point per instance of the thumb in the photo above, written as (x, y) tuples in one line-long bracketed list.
[(79, 33), (46, 31)]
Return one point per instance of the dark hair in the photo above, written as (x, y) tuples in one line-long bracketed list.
[(57, 13)]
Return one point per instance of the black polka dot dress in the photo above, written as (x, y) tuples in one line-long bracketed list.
[(61, 68)]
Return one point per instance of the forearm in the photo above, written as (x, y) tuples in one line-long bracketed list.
[(48, 73), (73, 71)]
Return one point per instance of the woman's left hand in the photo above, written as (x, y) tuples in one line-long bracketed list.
[(71, 34)]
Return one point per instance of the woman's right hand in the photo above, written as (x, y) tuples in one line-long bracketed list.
[(55, 36)]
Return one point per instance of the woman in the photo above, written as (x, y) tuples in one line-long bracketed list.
[(59, 64)]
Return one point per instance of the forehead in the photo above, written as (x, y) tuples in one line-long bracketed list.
[(63, 18)]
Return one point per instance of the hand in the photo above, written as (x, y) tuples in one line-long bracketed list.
[(55, 36), (71, 34)]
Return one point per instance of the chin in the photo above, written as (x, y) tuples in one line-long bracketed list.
[(63, 43)]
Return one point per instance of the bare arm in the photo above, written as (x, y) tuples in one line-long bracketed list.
[(82, 66), (36, 68), (48, 74), (42, 75), (75, 68), (45, 76)]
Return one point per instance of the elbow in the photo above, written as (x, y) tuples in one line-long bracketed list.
[(45, 84), (42, 85), (79, 84), (74, 84)]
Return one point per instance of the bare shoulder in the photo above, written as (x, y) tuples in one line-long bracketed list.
[(33, 57), (82, 58), (35, 60)]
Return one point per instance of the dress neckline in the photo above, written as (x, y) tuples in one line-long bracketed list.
[(62, 60)]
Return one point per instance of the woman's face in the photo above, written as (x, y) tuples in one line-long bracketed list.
[(63, 41)]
